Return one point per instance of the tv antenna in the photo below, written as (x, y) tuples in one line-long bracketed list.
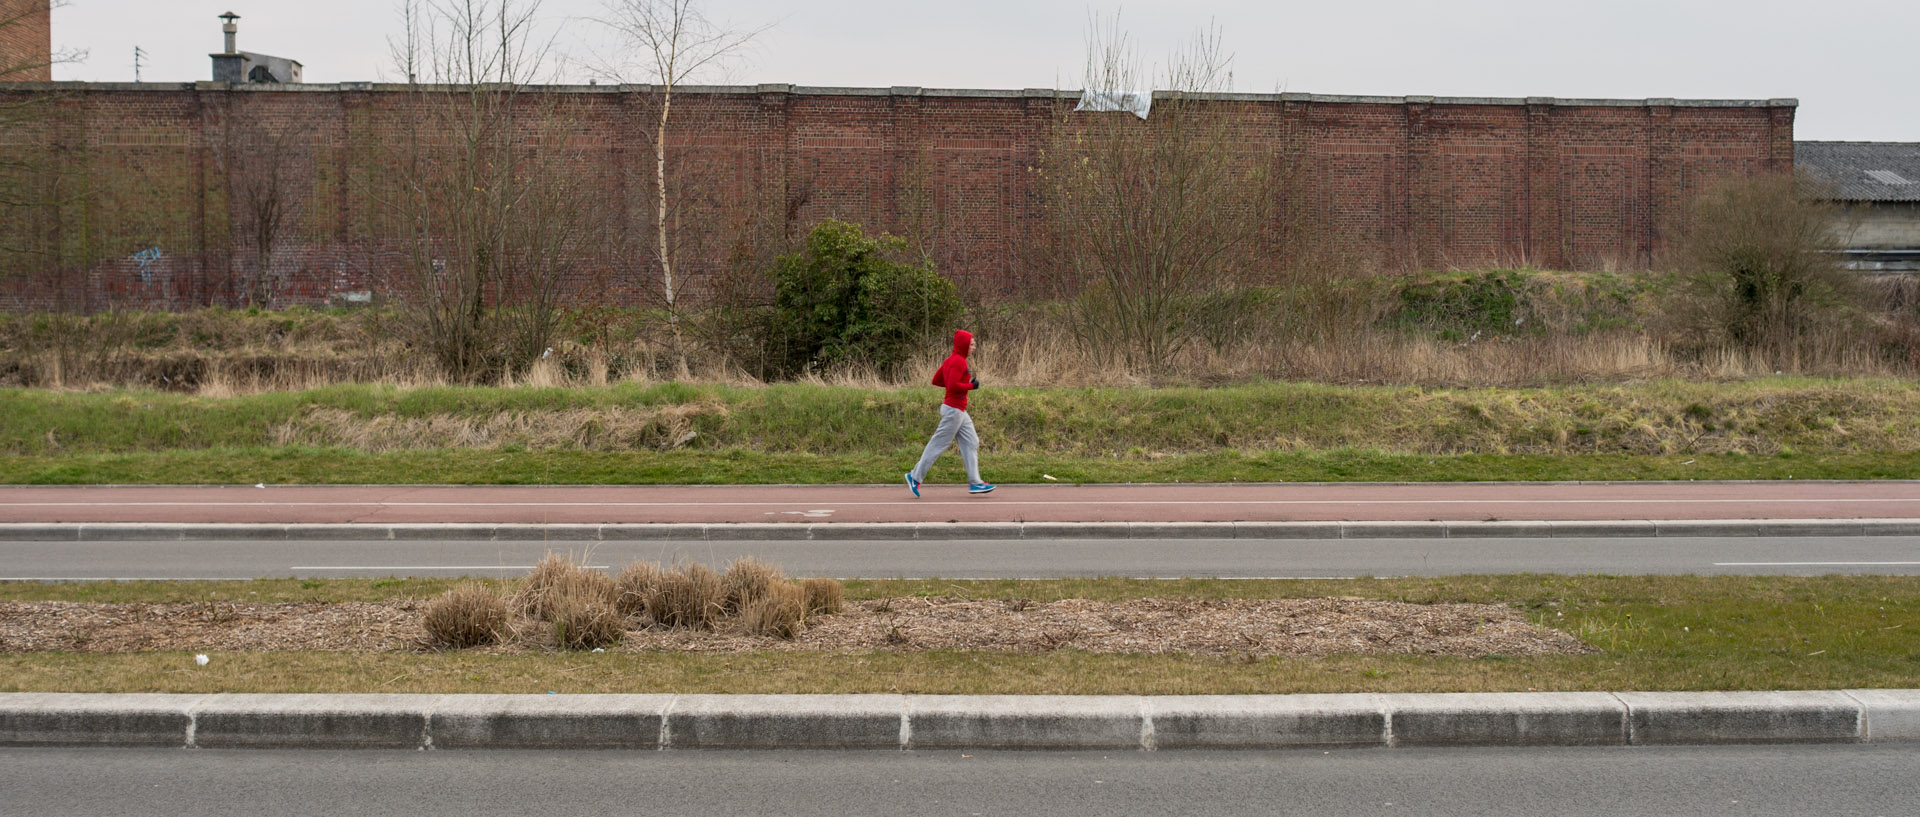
[(139, 59)]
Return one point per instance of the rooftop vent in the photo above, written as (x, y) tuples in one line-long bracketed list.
[(238, 67)]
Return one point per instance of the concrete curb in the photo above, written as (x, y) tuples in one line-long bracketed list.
[(851, 531), (659, 722)]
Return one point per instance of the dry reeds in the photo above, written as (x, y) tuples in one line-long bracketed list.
[(636, 587), (469, 615), (556, 577), (747, 580), (825, 597), (777, 612), (565, 605), (690, 597), (584, 619)]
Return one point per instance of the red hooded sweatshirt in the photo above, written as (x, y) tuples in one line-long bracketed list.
[(953, 374)]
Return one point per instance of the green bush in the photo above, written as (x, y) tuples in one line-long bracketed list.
[(848, 299)]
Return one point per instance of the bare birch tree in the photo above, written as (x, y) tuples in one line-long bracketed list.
[(669, 42)]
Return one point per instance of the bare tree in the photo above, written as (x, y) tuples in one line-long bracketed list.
[(486, 187), (671, 41), (268, 176), (20, 14), (1148, 208), (35, 179), (1758, 266)]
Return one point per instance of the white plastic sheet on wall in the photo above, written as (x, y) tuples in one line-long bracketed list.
[(1136, 103)]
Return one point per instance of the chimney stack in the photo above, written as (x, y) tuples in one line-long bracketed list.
[(230, 30)]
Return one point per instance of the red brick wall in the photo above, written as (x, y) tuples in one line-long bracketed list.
[(1417, 182), (26, 41)]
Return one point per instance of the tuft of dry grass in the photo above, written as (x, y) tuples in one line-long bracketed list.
[(777, 612), (747, 580), (825, 597), (691, 596), (469, 615), (557, 576), (659, 428), (584, 619), (638, 582)]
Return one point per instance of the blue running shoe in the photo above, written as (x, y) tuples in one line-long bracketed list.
[(913, 484), (979, 488)]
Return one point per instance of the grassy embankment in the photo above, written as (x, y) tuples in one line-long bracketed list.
[(1771, 428), (1657, 633)]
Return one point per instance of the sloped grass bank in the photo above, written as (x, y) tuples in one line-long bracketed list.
[(1655, 633), (677, 433)]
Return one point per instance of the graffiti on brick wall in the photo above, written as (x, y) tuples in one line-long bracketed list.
[(146, 259)]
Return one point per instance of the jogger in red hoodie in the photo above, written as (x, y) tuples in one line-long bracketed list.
[(956, 426)]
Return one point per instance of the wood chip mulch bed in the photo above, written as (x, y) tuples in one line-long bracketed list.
[(1293, 627)]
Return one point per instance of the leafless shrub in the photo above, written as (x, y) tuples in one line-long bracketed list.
[(637, 583), (1141, 217), (746, 580), (483, 183), (778, 612), (583, 618), (690, 596), (469, 615), (555, 576), (268, 179), (825, 597), (1756, 269)]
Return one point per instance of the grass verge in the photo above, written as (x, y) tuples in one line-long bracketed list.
[(676, 433), (1658, 633), (737, 467)]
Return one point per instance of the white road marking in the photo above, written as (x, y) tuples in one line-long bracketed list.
[(1814, 564)]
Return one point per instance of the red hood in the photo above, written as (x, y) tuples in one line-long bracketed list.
[(960, 338)]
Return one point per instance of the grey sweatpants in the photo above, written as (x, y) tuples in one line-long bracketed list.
[(956, 426)]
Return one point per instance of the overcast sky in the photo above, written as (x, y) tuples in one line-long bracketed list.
[(1851, 63)]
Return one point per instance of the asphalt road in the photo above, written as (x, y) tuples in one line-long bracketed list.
[(1167, 558), (592, 504), (1773, 780)]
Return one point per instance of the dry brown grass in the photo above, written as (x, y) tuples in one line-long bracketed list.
[(1341, 333), (690, 596), (777, 612), (558, 576), (470, 615), (584, 619), (747, 580), (825, 597), (637, 584), (657, 428)]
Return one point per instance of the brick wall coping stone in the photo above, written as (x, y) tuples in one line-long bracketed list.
[(662, 721), (904, 90)]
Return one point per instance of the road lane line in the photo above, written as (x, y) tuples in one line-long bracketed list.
[(1814, 564)]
